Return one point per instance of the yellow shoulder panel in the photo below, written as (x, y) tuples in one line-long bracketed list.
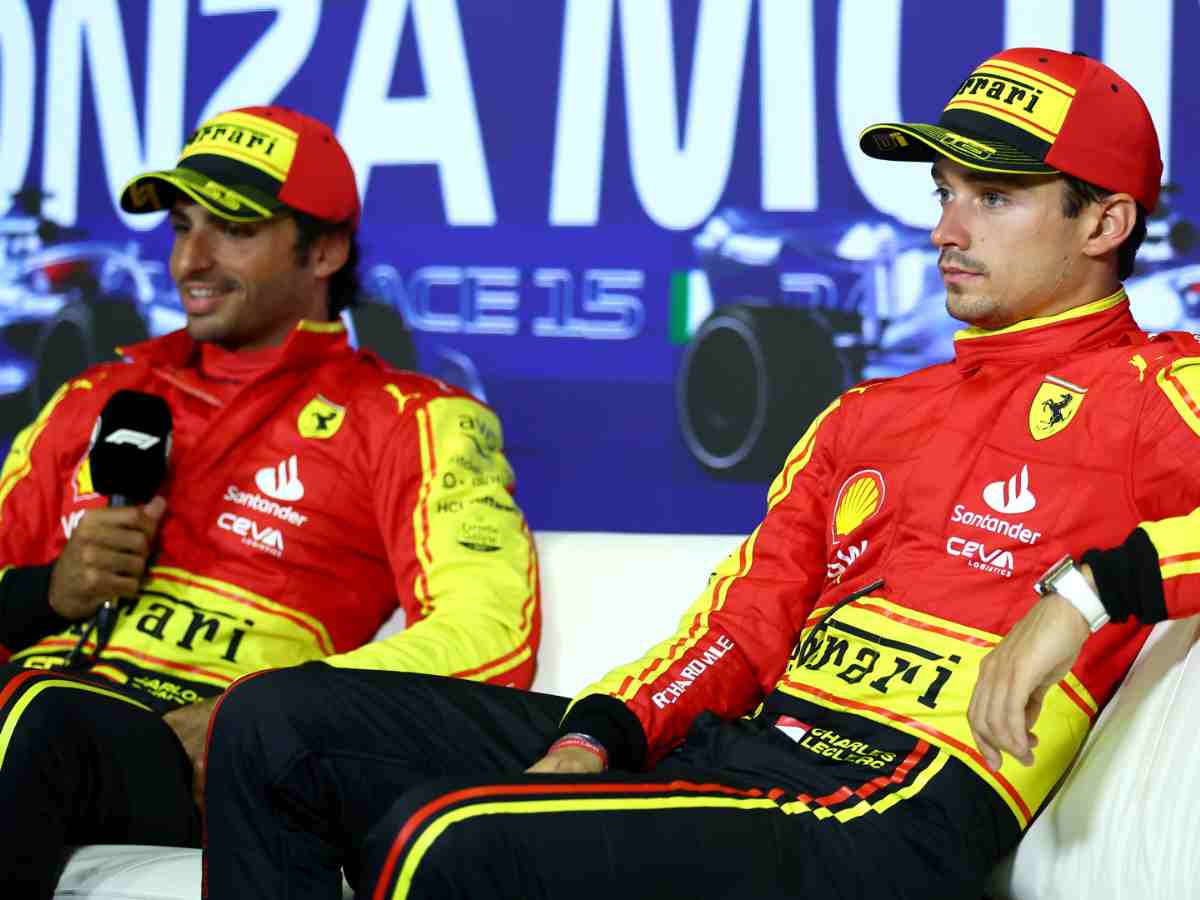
[(19, 464), (1180, 381)]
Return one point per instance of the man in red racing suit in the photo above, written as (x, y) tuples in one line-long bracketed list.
[(321, 495), (312, 495), (834, 715)]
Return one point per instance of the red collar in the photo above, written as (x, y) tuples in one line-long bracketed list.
[(308, 341), (1101, 323), (177, 357)]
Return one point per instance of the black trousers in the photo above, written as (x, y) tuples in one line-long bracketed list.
[(414, 784), (83, 761)]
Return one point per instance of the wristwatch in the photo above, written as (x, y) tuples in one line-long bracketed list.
[(1065, 579)]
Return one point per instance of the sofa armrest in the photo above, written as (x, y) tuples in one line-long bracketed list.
[(1126, 819)]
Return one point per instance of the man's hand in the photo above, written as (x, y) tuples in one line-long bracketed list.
[(1015, 676), (104, 558), (190, 724), (567, 761)]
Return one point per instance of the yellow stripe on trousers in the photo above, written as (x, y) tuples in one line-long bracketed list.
[(524, 807), (10, 722)]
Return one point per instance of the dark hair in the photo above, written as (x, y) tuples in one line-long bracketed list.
[(343, 284), (1080, 193)]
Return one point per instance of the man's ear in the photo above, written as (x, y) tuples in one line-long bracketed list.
[(1113, 220), (330, 252)]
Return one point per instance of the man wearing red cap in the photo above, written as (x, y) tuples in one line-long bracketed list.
[(883, 729), (311, 493)]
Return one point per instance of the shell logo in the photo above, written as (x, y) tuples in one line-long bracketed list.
[(860, 498)]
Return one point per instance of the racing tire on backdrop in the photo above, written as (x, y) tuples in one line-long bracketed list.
[(752, 380), (81, 335), (381, 329), (116, 322)]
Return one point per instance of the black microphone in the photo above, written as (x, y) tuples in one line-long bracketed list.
[(128, 460), (130, 446)]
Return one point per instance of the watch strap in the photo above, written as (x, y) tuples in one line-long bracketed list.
[(1071, 584)]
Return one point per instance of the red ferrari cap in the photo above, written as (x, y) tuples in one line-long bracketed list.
[(1028, 111), (249, 163)]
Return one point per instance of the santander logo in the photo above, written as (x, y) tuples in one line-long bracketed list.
[(1012, 496), (281, 482)]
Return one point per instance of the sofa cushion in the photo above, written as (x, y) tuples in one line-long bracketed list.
[(131, 872)]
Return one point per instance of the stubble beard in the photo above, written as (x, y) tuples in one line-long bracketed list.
[(220, 327), (208, 330), (971, 308)]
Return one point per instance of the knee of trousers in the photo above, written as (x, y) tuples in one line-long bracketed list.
[(260, 718), (42, 712)]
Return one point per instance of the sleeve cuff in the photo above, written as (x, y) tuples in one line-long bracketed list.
[(25, 613), (611, 723), (1129, 579)]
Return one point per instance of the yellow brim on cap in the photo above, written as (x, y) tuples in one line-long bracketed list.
[(895, 141), (237, 204)]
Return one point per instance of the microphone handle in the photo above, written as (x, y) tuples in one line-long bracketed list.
[(102, 622), (115, 501)]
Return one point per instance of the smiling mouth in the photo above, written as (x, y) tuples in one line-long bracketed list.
[(201, 299)]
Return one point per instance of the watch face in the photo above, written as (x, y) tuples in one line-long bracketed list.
[(1046, 584)]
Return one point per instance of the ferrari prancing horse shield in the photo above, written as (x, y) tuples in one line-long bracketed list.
[(320, 418), (1054, 406)]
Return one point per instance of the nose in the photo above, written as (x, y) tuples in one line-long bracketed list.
[(951, 229), (191, 253)]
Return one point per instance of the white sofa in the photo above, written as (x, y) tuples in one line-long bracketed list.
[(1126, 823)]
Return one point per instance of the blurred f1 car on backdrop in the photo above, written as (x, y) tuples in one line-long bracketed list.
[(778, 320), (66, 303)]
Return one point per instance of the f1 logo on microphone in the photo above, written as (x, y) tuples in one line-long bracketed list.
[(139, 439)]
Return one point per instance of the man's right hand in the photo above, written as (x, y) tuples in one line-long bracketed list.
[(567, 761), (104, 558)]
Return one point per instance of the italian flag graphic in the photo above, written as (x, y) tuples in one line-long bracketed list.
[(691, 302), (793, 728)]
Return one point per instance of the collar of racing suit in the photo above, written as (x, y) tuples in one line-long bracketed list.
[(1099, 323), (177, 357)]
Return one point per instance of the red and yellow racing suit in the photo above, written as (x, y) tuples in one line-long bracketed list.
[(305, 503), (956, 487)]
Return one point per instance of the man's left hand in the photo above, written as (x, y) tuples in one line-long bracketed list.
[(1016, 675), (567, 761), (190, 724)]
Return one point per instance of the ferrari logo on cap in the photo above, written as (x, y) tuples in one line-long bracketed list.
[(253, 140), (1029, 99), (320, 419), (1054, 407)]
